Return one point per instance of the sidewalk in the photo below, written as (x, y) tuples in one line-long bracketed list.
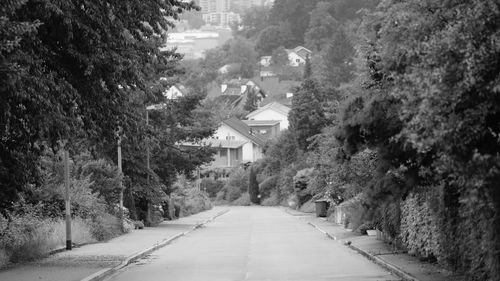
[(93, 261), (403, 265)]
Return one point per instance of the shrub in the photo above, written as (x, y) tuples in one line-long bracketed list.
[(268, 186), (236, 185), (211, 186), (194, 202), (308, 207), (244, 200), (420, 227), (105, 226), (272, 200)]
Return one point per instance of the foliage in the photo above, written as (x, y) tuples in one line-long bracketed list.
[(322, 27), (253, 21), (243, 200), (211, 186), (420, 226), (306, 116), (253, 186), (272, 37), (279, 57), (236, 185)]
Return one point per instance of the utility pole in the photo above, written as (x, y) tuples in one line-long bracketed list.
[(147, 164), (119, 143), (67, 199)]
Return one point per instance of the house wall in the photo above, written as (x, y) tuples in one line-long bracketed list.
[(271, 131), (269, 114), (221, 157), (225, 132), (295, 60)]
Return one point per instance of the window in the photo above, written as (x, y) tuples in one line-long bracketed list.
[(223, 152), (230, 138), (263, 132), (297, 60)]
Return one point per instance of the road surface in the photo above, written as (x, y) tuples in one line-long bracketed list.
[(254, 243)]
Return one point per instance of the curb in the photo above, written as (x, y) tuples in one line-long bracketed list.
[(100, 275), (391, 268)]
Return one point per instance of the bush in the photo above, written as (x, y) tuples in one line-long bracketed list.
[(308, 207), (211, 186), (27, 236), (244, 200), (194, 202), (269, 185), (236, 185), (420, 227), (105, 226), (272, 200)]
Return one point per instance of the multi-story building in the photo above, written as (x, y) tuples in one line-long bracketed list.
[(214, 6), (221, 19)]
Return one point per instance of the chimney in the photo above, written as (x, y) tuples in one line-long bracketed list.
[(223, 88)]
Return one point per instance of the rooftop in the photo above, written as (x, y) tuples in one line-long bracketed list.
[(244, 129)]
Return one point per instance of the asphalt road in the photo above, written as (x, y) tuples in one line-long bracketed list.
[(254, 243)]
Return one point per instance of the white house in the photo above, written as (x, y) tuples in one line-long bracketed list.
[(265, 60), (272, 111), (175, 92), (298, 55), (236, 130)]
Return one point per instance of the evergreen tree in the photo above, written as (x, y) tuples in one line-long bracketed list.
[(253, 187)]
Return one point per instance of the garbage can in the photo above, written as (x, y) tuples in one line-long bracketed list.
[(321, 208)]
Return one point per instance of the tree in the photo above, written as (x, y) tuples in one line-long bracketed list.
[(253, 187), (296, 14), (322, 27), (242, 51), (272, 37), (84, 72), (306, 116), (279, 57), (253, 21)]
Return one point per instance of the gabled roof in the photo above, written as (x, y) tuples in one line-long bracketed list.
[(216, 143), (229, 99), (302, 51), (243, 129), (233, 91), (261, 122), (276, 106)]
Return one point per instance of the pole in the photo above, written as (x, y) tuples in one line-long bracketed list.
[(120, 212), (68, 204), (148, 219)]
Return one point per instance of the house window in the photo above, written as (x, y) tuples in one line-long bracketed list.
[(297, 60), (223, 153), (263, 132), (230, 138)]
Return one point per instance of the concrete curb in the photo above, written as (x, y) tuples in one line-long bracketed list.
[(100, 275), (390, 267)]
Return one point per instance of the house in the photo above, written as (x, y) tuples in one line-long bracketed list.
[(236, 130), (234, 93), (265, 60), (272, 111), (175, 92), (265, 129), (277, 90), (235, 143), (298, 55), (231, 68)]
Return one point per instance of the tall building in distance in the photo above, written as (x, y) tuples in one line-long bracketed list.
[(214, 6)]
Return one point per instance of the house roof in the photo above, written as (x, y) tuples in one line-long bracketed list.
[(229, 99), (276, 89), (243, 129), (233, 91), (261, 122), (276, 106), (303, 52), (217, 143)]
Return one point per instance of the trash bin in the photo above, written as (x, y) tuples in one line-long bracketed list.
[(321, 208)]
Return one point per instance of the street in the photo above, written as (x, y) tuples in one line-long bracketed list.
[(254, 243)]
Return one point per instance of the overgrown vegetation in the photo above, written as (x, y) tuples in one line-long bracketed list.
[(79, 76), (399, 119)]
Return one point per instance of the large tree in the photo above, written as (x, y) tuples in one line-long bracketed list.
[(75, 70)]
